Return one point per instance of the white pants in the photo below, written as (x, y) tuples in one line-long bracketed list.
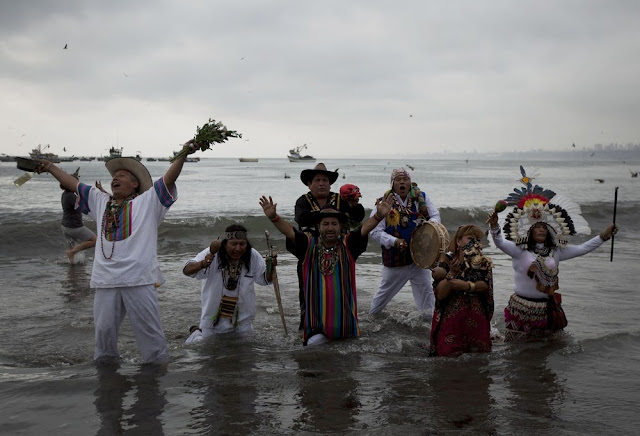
[(141, 303), (394, 278)]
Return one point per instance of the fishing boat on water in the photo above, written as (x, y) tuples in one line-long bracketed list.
[(39, 153), (114, 152), (186, 159), (248, 159), (295, 156)]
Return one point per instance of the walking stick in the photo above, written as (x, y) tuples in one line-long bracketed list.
[(615, 206), (276, 285)]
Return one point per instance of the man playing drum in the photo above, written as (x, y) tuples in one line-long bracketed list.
[(394, 235)]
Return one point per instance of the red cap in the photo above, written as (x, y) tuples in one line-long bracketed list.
[(350, 191)]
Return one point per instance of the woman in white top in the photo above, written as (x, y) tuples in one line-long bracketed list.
[(535, 237)]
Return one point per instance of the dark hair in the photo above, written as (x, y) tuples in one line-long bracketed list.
[(465, 230), (548, 242), (224, 258)]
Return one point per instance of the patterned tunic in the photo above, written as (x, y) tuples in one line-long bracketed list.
[(330, 296), (461, 322)]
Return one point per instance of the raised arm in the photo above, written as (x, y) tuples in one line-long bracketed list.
[(65, 179), (175, 169), (506, 246), (269, 209), (571, 251)]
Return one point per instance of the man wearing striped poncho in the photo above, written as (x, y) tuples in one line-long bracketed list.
[(328, 269)]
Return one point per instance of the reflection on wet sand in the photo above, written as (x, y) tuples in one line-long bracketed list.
[(143, 417), (328, 393), (228, 382), (533, 389)]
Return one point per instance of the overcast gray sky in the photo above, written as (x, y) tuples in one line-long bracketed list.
[(349, 78)]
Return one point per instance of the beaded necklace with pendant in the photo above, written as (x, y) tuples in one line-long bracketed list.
[(328, 257), (111, 223), (231, 275)]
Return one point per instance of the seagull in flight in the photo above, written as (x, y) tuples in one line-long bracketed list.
[(65, 46)]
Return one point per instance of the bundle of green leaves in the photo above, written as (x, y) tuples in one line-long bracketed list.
[(210, 133)]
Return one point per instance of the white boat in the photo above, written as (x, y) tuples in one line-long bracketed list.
[(294, 155), (248, 159)]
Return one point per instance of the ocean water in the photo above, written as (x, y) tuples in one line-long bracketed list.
[(585, 382)]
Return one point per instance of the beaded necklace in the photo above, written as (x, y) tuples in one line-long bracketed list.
[(328, 257), (111, 223), (542, 250), (231, 275), (404, 211)]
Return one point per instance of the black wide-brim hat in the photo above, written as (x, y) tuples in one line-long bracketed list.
[(329, 212), (307, 175)]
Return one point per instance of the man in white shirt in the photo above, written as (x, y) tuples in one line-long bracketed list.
[(228, 270), (393, 233), (125, 269)]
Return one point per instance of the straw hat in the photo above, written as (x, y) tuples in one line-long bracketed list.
[(134, 167), (307, 175)]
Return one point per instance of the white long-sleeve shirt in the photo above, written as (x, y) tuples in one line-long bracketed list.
[(379, 234), (213, 288), (521, 259)]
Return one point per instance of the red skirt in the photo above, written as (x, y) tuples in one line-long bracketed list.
[(461, 324)]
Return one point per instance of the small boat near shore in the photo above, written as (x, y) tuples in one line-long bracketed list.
[(248, 159), (295, 156)]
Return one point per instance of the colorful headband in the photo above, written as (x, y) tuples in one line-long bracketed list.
[(534, 204), (238, 234), (397, 172)]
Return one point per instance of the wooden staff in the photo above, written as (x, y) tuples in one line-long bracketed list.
[(276, 285), (615, 206)]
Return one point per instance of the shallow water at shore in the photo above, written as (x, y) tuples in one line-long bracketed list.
[(382, 383)]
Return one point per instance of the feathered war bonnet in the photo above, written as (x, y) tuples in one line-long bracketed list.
[(534, 204)]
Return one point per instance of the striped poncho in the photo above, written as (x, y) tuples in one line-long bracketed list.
[(330, 300)]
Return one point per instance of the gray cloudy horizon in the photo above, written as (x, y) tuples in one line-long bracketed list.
[(348, 78)]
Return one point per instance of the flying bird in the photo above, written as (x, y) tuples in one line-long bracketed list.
[(410, 116), (65, 46), (599, 180), (410, 167), (633, 174), (573, 145)]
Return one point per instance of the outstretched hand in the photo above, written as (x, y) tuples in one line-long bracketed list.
[(191, 145), (268, 207), (385, 205), (611, 229), (492, 220), (43, 167)]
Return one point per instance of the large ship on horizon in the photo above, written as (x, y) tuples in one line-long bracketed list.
[(294, 155)]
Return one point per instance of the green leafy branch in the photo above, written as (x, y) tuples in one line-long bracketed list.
[(210, 133)]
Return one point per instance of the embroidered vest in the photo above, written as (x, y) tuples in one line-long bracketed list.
[(401, 221)]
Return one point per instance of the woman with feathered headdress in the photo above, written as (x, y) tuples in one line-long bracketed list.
[(536, 233)]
